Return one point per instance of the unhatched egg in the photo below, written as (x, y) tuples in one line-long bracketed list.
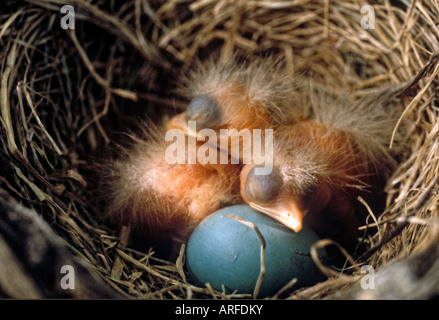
[(224, 251)]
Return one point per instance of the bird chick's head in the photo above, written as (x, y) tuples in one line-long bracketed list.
[(229, 107), (269, 194), (236, 95)]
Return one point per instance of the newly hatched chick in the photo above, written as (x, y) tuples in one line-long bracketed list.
[(162, 199), (323, 164)]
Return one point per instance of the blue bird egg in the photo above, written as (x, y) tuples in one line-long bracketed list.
[(223, 251)]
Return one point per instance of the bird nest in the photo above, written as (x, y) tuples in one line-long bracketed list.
[(66, 94)]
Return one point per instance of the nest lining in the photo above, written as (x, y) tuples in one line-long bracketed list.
[(65, 94)]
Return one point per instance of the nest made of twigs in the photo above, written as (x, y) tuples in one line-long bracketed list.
[(65, 94)]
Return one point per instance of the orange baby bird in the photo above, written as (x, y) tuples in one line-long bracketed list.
[(323, 164), (163, 199)]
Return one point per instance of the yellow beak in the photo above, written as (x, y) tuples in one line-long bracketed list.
[(292, 217)]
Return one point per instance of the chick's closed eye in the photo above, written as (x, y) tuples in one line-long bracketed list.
[(205, 111), (263, 189)]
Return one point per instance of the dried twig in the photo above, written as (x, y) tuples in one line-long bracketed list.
[(262, 255)]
